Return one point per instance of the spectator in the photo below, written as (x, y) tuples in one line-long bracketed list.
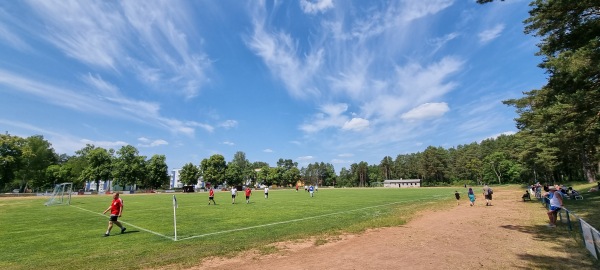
[(556, 203)]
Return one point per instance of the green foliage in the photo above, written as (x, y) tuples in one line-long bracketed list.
[(129, 168), (189, 174), (157, 172), (213, 169)]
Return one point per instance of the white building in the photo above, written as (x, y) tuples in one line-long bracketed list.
[(175, 181), (408, 183)]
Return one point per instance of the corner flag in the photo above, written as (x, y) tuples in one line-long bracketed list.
[(175, 217), (175, 202)]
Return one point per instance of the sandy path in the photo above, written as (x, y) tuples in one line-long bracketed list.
[(508, 235)]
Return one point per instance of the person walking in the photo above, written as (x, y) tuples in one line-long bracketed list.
[(457, 195), (116, 210), (556, 203), (233, 194), (471, 195), (211, 196), (311, 190), (487, 193), (248, 192), (267, 192)]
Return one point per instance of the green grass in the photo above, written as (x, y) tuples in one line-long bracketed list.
[(71, 237), (587, 208)]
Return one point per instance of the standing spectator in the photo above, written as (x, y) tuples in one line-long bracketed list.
[(311, 190), (471, 196), (556, 203), (211, 196), (487, 193), (233, 193), (267, 192), (248, 192), (116, 209), (457, 195)]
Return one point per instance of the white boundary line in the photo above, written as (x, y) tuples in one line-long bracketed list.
[(283, 222), (128, 224)]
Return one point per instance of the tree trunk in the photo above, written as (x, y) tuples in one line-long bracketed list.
[(588, 169)]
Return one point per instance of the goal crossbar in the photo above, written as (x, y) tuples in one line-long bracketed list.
[(61, 194)]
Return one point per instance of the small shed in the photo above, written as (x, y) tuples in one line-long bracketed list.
[(408, 183)]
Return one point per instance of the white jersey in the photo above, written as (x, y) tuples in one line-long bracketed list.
[(233, 191), (266, 190)]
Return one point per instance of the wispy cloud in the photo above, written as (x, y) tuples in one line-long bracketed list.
[(313, 7), (228, 143), (268, 150), (101, 98), (99, 34), (490, 34), (426, 111), (305, 158), (227, 124), (331, 115), (145, 142)]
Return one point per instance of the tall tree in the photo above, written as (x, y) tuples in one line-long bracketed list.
[(213, 169), (565, 113), (11, 152), (129, 168), (157, 172), (38, 154), (99, 166), (189, 174)]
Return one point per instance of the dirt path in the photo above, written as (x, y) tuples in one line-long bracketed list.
[(508, 235)]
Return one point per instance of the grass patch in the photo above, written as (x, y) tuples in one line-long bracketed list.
[(70, 237)]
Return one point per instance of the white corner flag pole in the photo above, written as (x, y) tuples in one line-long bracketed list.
[(175, 215)]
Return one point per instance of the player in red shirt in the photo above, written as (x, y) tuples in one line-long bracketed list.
[(248, 192), (116, 209), (211, 196)]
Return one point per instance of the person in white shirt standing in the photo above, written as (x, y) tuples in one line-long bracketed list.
[(266, 192), (556, 203), (233, 193)]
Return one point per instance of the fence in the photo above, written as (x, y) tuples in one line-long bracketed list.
[(579, 227)]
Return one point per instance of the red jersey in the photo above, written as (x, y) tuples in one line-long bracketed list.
[(115, 207), (248, 192), (211, 193)]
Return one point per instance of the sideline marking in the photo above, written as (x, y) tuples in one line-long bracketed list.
[(284, 222), (128, 224)]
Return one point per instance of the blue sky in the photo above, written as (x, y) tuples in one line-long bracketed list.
[(312, 81)]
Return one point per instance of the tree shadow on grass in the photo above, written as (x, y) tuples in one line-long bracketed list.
[(561, 239)]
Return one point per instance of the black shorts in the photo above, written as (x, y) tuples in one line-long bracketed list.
[(247, 197), (233, 196), (113, 217), (488, 197), (211, 198)]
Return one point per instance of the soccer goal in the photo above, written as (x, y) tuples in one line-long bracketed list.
[(61, 194)]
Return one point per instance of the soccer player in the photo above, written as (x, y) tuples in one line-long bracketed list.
[(311, 190), (233, 193), (211, 196), (116, 209), (248, 192), (267, 192)]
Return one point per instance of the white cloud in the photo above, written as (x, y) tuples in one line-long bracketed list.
[(278, 51), (331, 115), (304, 158), (346, 155), (268, 150), (490, 34), (229, 124), (356, 124), (426, 111), (228, 143), (145, 142), (315, 6), (104, 144)]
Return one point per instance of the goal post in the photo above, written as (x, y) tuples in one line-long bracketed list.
[(61, 195)]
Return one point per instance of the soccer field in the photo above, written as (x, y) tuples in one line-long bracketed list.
[(71, 237)]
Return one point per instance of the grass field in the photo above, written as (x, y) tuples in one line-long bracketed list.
[(71, 237)]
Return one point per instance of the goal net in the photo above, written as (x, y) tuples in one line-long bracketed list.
[(61, 194)]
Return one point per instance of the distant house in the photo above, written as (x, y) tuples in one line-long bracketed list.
[(408, 183)]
